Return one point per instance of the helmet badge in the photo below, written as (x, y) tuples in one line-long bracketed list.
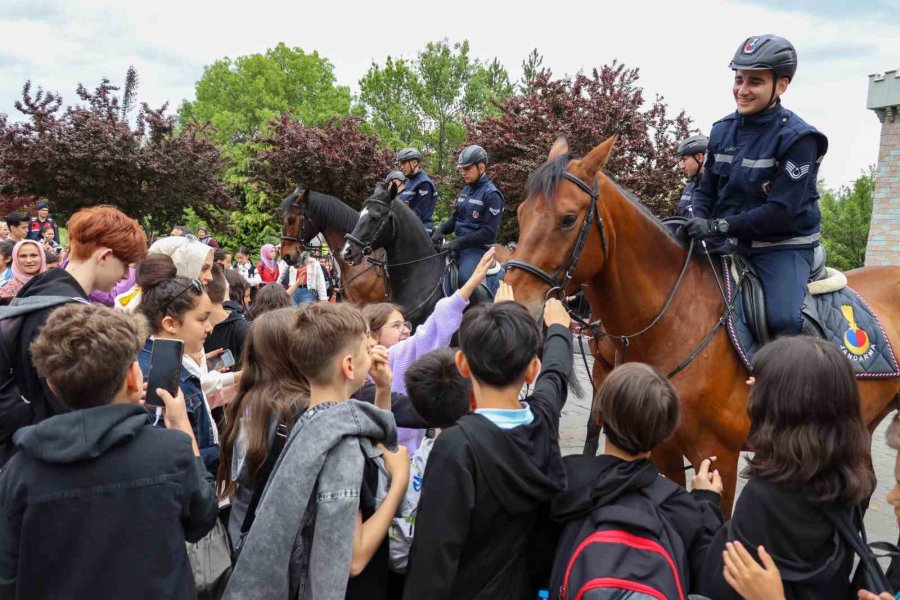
[(751, 45)]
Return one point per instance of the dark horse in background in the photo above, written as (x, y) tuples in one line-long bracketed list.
[(306, 214), (415, 270), (578, 224)]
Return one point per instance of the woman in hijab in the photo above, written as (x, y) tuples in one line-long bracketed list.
[(193, 259), (28, 260), (267, 268)]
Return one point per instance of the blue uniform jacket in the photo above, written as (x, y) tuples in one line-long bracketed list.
[(420, 195), (685, 203), (760, 176), (476, 219)]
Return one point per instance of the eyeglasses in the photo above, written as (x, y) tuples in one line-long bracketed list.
[(400, 325), (194, 284)]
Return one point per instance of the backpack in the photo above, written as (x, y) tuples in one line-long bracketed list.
[(16, 410), (625, 550)]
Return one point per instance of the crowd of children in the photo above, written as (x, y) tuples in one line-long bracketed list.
[(347, 456)]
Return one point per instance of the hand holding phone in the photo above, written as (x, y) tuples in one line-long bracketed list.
[(165, 369), (225, 360)]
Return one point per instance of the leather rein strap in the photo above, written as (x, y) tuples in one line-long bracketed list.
[(560, 280)]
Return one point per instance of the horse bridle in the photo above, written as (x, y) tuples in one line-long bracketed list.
[(560, 280), (303, 217), (366, 247)]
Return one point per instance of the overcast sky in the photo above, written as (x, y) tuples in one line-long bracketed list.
[(682, 48)]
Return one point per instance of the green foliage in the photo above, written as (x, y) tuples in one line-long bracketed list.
[(425, 102), (239, 97), (846, 213)]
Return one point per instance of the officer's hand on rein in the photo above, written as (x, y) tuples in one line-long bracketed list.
[(703, 228)]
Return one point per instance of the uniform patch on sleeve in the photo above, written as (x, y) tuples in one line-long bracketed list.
[(494, 211), (796, 172), (423, 192)]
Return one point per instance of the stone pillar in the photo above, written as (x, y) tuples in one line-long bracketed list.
[(883, 246)]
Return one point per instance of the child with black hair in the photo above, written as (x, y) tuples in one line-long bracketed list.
[(440, 395), (492, 475), (639, 410)]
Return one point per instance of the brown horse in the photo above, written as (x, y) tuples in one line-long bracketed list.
[(306, 214), (628, 264)]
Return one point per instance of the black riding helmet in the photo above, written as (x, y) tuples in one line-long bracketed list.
[(409, 154), (471, 155), (696, 144), (766, 52), (395, 175)]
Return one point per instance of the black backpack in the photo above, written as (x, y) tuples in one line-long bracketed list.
[(16, 410), (625, 550)]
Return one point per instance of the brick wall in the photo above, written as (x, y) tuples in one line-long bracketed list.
[(884, 233)]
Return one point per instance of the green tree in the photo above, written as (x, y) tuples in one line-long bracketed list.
[(846, 213), (427, 101), (239, 97), (532, 69)]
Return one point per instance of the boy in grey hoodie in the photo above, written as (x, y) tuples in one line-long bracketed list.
[(317, 532)]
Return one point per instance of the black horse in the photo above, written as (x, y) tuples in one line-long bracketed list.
[(415, 270)]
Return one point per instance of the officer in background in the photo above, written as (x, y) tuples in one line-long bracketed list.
[(43, 219), (691, 153), (476, 219), (759, 185), (418, 192)]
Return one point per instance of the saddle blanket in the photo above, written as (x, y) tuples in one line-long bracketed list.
[(843, 315)]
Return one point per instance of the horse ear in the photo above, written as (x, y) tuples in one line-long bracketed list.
[(392, 192), (304, 195), (596, 158), (559, 147)]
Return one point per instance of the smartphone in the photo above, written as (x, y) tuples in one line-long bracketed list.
[(222, 361), (165, 369)]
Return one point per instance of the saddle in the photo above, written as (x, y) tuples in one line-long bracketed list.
[(451, 281), (822, 280)]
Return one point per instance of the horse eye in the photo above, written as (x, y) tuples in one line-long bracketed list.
[(568, 221)]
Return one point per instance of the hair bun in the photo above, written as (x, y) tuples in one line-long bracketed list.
[(154, 270)]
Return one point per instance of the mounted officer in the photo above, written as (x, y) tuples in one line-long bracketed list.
[(691, 153), (759, 185), (476, 219), (418, 192)]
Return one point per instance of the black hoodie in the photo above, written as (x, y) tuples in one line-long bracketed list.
[(55, 282), (485, 490), (98, 503), (230, 333), (813, 562), (596, 481)]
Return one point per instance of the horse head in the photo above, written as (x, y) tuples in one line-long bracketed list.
[(374, 229), (296, 227), (562, 232)]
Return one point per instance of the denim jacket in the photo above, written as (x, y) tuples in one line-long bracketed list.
[(201, 420)]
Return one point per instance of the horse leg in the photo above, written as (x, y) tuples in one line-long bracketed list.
[(592, 440), (670, 461), (598, 373)]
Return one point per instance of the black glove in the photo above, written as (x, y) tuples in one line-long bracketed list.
[(450, 246), (437, 236), (705, 228)]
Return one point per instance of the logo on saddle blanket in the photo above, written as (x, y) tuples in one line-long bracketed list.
[(856, 340)]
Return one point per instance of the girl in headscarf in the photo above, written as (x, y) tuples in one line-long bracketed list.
[(267, 269), (28, 260), (192, 258)]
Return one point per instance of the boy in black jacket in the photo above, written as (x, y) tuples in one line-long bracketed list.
[(639, 409), (98, 503), (491, 476)]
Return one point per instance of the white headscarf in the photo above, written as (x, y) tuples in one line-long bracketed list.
[(187, 254)]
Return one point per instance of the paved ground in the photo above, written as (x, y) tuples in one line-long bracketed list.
[(880, 521)]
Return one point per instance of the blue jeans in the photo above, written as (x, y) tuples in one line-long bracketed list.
[(304, 295), (468, 261), (784, 275)]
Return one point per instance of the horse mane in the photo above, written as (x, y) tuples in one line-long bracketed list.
[(549, 175), (327, 211)]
